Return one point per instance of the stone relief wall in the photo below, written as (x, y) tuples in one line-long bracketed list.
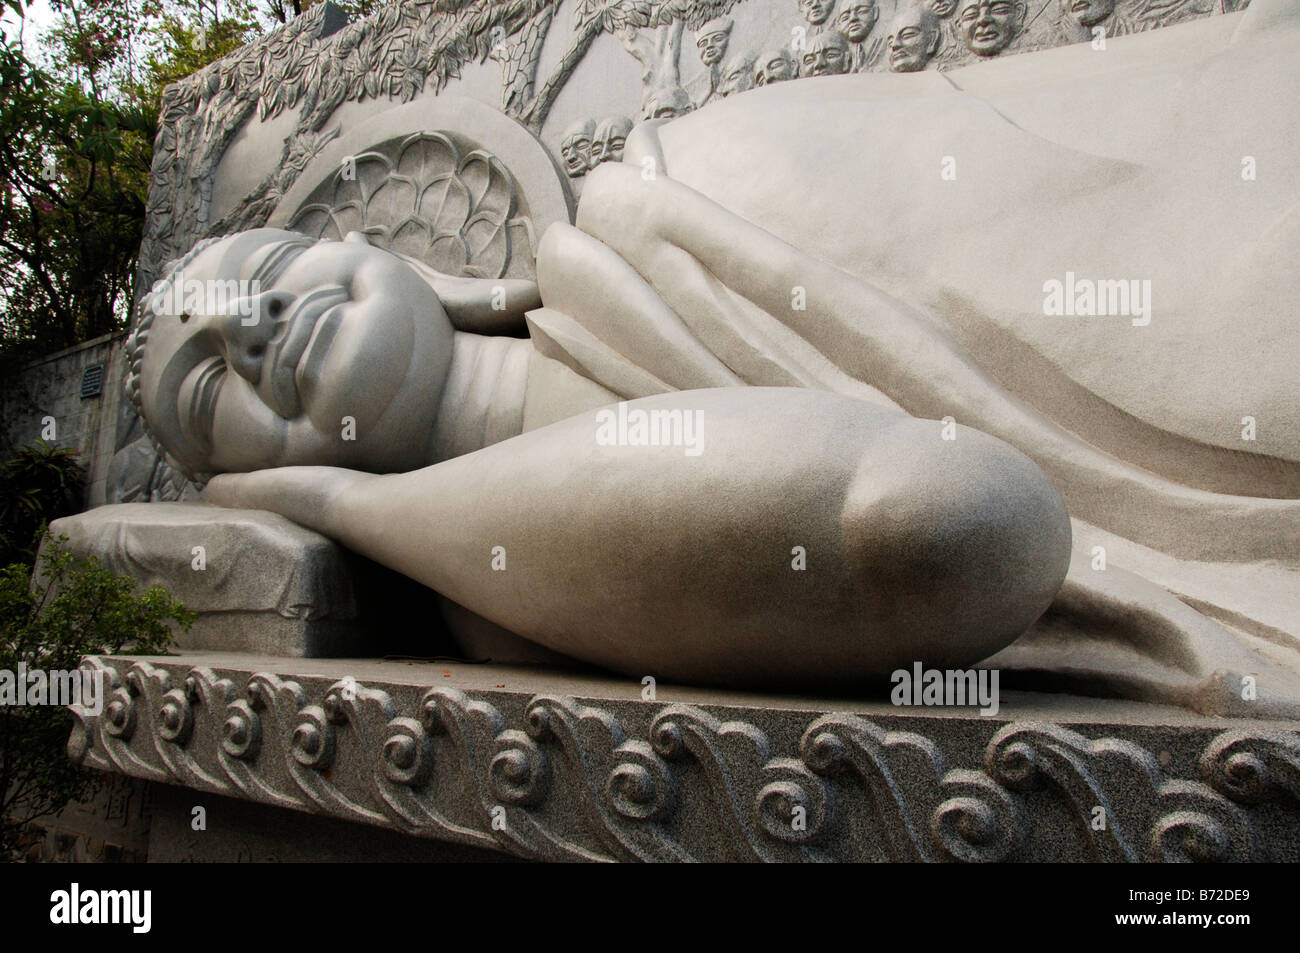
[(316, 64), (304, 78)]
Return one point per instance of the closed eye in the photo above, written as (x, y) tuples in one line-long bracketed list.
[(279, 257)]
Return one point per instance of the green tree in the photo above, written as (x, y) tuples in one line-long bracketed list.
[(76, 145), (50, 621)]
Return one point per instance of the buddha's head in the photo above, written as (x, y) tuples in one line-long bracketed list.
[(575, 147), (774, 66), (737, 76), (1087, 13), (913, 37), (987, 27), (828, 54), (712, 40), (267, 348), (856, 19), (611, 135), (816, 12), (941, 8)]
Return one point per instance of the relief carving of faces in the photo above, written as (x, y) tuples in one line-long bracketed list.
[(856, 20), (913, 38), (330, 330), (607, 143), (941, 8), (1087, 12), (774, 66), (987, 27), (713, 45), (816, 12), (667, 103), (575, 148), (737, 76), (827, 55)]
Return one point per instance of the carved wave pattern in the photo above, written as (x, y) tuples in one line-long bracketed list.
[(568, 781)]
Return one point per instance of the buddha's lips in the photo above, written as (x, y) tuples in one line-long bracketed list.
[(309, 371), (293, 343)]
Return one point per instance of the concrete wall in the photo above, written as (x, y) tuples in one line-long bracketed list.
[(51, 388)]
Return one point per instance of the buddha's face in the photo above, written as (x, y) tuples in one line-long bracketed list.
[(816, 12), (576, 151), (336, 356), (913, 38), (737, 76), (712, 46), (773, 67), (1088, 12), (856, 21), (942, 8), (988, 26), (827, 55), (611, 136)]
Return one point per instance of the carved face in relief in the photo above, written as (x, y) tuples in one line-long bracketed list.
[(987, 27), (941, 8), (611, 135), (666, 104), (816, 12), (737, 76), (774, 66), (913, 38), (856, 20), (575, 147), (1087, 12), (712, 41), (827, 55), (326, 360)]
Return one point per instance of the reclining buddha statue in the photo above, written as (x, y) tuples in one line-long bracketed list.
[(989, 367)]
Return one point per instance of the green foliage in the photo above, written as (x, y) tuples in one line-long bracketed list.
[(38, 483), (71, 608), (185, 39), (73, 174), (76, 145)]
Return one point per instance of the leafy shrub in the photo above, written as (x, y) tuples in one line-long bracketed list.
[(38, 483), (50, 620)]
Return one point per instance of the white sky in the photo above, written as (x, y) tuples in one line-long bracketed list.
[(39, 18)]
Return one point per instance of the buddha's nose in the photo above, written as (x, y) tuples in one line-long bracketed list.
[(248, 326)]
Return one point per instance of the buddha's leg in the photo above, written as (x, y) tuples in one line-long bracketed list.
[(787, 536)]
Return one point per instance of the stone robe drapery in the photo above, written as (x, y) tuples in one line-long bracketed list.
[(890, 237)]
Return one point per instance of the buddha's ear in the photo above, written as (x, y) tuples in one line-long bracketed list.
[(487, 305), (481, 305)]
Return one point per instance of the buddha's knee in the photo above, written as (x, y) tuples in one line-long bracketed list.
[(955, 541)]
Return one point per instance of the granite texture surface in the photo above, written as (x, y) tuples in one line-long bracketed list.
[(549, 765)]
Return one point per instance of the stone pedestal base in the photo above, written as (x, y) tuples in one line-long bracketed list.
[(542, 764)]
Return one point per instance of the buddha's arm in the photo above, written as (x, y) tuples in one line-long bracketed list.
[(790, 534)]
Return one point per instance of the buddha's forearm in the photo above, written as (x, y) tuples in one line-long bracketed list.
[(787, 533)]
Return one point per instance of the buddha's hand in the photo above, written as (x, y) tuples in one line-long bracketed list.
[(307, 495)]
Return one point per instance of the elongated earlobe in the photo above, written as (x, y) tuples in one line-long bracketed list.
[(488, 305), (481, 305)]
